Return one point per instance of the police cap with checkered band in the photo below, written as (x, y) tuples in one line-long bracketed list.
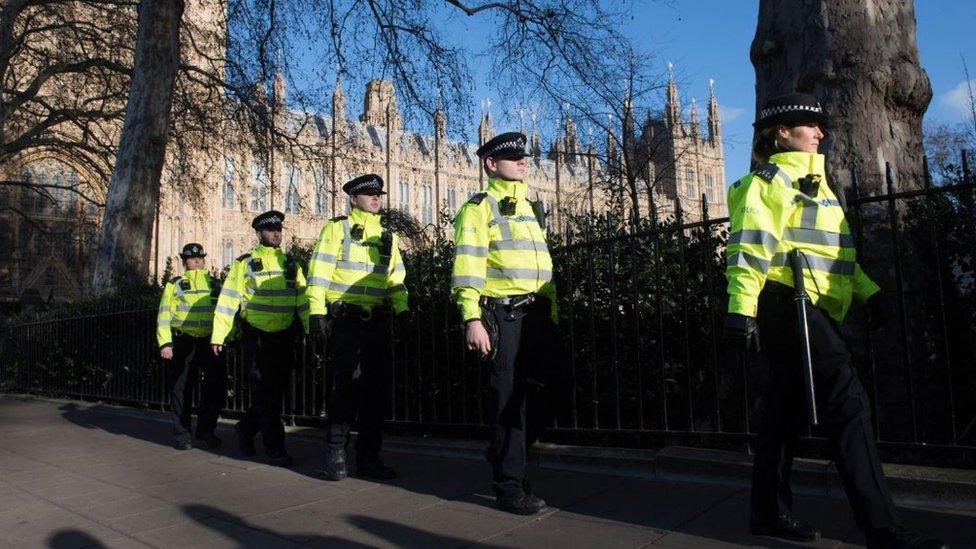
[(271, 219), (791, 109), (365, 184), (506, 145)]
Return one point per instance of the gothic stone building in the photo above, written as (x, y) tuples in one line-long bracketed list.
[(425, 176)]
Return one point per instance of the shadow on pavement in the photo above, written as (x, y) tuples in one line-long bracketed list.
[(255, 536), (688, 513), (71, 538)]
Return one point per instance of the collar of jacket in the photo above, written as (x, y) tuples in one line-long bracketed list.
[(364, 218), (261, 249), (799, 164), (195, 274), (502, 187)]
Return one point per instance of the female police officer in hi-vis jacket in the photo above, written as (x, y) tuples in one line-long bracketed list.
[(782, 206)]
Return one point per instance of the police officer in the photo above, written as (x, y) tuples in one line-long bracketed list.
[(785, 205), (355, 278), (183, 328), (502, 284), (265, 291)]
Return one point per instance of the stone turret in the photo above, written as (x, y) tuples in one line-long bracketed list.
[(379, 105)]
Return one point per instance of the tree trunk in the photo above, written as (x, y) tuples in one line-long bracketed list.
[(123, 250), (859, 57)]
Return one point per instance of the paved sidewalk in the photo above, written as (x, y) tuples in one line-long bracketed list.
[(77, 475)]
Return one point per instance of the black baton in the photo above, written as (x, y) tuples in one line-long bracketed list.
[(801, 298)]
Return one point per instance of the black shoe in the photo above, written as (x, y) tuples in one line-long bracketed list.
[(183, 444), (373, 468), (334, 467), (900, 537), (280, 459), (526, 504), (785, 527), (245, 443), (210, 439)]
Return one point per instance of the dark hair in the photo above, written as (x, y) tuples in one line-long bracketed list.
[(766, 145)]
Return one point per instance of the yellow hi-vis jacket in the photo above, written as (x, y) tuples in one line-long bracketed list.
[(770, 216), (268, 289), (499, 255), (364, 269), (187, 306)]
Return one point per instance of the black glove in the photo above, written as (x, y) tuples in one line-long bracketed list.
[(319, 331), (742, 332), (879, 312), (403, 322)]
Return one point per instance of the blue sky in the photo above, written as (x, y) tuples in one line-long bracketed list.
[(710, 39)]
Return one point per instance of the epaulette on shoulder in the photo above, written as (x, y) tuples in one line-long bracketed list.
[(242, 257), (176, 279), (339, 218), (766, 171), (477, 198)]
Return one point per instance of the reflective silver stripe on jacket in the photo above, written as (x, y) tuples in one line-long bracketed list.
[(755, 236), (819, 237), (818, 263), (356, 289), (468, 281), (515, 274), (747, 261)]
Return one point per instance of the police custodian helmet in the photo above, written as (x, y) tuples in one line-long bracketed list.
[(192, 250)]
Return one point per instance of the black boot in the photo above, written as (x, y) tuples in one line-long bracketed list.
[(372, 467), (280, 458), (210, 439), (900, 537), (183, 444), (244, 442), (334, 467), (785, 527), (526, 504)]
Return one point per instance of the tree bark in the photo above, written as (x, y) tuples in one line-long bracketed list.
[(860, 58), (123, 250)]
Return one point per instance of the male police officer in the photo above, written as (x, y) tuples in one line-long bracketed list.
[(354, 271), (268, 290), (182, 329), (502, 284)]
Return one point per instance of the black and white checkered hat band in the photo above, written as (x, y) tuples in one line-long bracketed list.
[(782, 109), (373, 184), (513, 144), (272, 220)]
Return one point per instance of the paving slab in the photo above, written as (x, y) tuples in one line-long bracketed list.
[(78, 475)]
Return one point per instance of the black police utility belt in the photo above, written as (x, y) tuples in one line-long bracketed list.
[(342, 309), (511, 303)]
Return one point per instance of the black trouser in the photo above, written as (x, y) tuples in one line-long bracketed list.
[(523, 381), (361, 383), (843, 407), (268, 358), (191, 356)]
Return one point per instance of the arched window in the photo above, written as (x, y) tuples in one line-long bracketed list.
[(321, 193), (227, 252), (259, 187), (229, 177), (291, 184), (426, 200), (451, 198), (403, 195), (56, 187)]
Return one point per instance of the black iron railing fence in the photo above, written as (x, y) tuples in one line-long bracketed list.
[(641, 310)]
